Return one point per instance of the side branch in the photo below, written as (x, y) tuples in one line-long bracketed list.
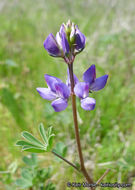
[(65, 160)]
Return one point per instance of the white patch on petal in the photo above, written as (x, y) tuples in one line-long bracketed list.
[(72, 34), (58, 39)]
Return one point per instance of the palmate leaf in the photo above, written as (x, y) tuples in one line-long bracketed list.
[(23, 183), (46, 136), (26, 174), (26, 179), (32, 144), (31, 161)]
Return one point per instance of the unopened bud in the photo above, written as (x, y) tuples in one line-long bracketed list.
[(68, 27), (69, 23), (72, 34)]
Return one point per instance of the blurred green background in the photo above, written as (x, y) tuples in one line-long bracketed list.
[(108, 132)]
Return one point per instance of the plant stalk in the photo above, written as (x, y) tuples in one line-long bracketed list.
[(65, 160), (73, 99)]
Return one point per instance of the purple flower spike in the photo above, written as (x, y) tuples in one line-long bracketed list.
[(95, 84), (57, 91), (51, 46), (80, 40), (88, 103)]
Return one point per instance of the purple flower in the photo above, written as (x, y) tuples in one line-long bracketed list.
[(56, 91), (91, 83), (95, 84), (82, 91), (57, 47), (51, 45), (79, 40), (68, 42)]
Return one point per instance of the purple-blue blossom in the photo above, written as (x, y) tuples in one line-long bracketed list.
[(81, 90), (91, 83), (68, 42), (95, 84), (56, 91)]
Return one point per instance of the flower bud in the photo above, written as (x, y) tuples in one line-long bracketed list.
[(69, 41), (72, 34)]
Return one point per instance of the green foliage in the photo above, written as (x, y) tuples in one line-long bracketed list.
[(7, 177), (8, 99), (50, 186), (107, 133), (10, 63), (33, 176), (30, 161), (32, 144)]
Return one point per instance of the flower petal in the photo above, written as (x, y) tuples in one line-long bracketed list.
[(64, 41), (88, 103), (90, 74), (51, 46), (68, 79), (50, 80), (46, 93), (58, 39), (99, 83), (81, 89), (59, 104), (80, 40), (73, 32), (62, 90)]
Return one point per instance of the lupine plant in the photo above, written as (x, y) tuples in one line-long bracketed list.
[(67, 44)]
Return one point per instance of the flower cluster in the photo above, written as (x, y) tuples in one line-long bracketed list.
[(60, 92), (91, 83), (68, 42)]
